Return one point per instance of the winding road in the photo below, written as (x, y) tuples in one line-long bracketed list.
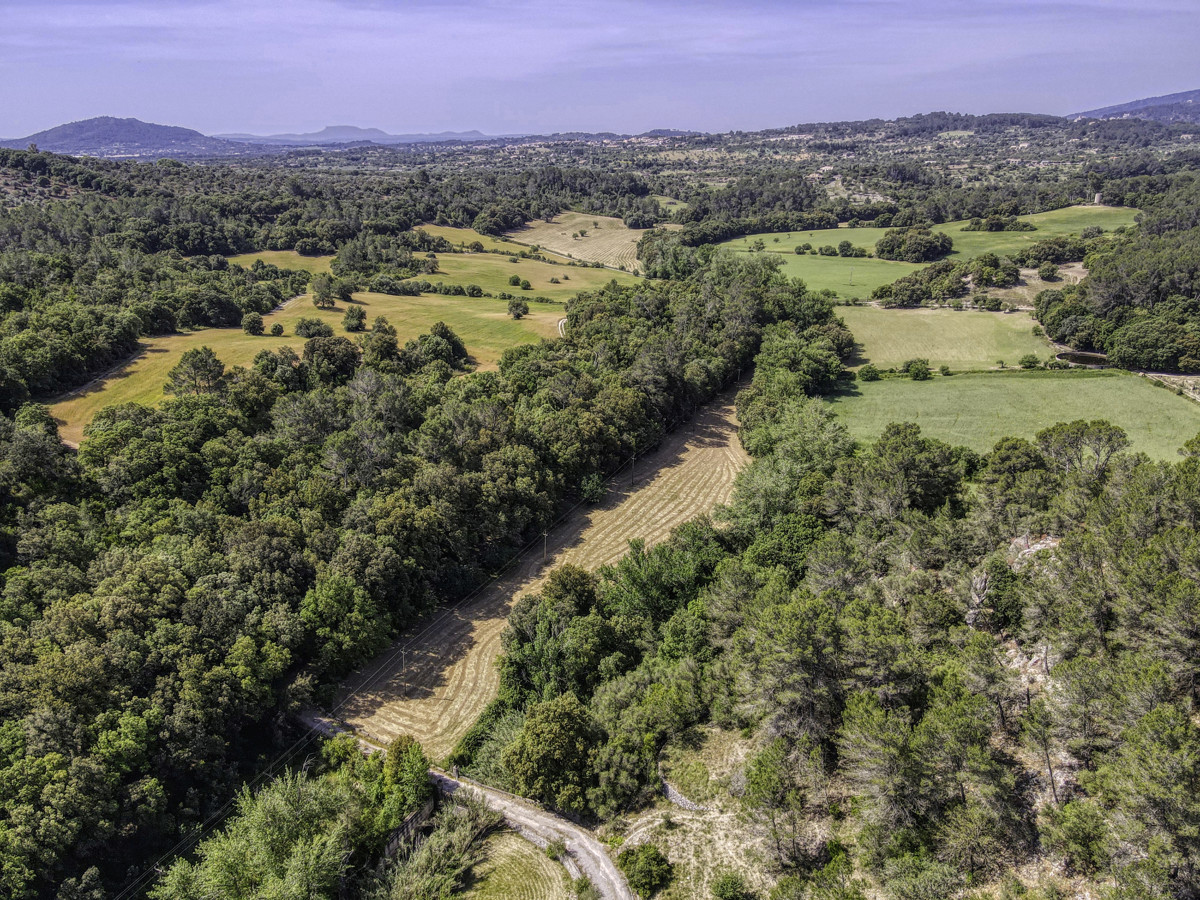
[(541, 827)]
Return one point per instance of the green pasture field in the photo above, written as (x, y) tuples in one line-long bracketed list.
[(463, 237), (285, 259), (483, 324), (960, 339), (491, 272), (835, 273), (977, 410)]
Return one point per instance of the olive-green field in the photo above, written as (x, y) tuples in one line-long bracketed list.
[(977, 410), (285, 259), (856, 278), (492, 273), (483, 324), (960, 339)]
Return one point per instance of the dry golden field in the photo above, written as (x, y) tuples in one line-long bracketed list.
[(433, 684), (601, 239)]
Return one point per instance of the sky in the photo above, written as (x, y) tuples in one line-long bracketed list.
[(535, 66)]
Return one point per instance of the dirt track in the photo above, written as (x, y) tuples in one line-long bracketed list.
[(434, 684), (542, 827)]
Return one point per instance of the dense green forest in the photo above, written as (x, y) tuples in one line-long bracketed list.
[(176, 589)]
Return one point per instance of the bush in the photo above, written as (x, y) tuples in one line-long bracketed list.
[(1079, 832), (730, 886), (646, 869), (1048, 272), (252, 323), (917, 369), (944, 369), (525, 285), (311, 328), (517, 307), (868, 373), (592, 489), (1029, 361), (514, 280), (277, 330), (355, 318)]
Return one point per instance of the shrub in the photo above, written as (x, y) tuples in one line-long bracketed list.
[(944, 369), (311, 328), (1029, 361), (514, 280), (1048, 272), (252, 323), (1079, 832), (592, 489), (730, 886), (868, 373), (355, 318), (517, 307), (525, 285), (277, 330), (646, 869), (917, 369)]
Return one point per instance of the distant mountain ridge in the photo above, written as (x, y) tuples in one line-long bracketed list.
[(1180, 107), (116, 138), (112, 137), (347, 134)]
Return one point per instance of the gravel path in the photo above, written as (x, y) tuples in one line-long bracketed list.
[(541, 827)]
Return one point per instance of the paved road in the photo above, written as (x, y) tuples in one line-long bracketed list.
[(540, 826)]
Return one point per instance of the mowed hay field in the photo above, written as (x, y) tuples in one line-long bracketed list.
[(960, 339), (433, 685), (607, 241), (977, 410), (856, 278), (483, 324), (514, 869)]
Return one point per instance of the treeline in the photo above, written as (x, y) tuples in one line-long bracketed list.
[(600, 671), (1140, 303), (200, 568), (938, 699)]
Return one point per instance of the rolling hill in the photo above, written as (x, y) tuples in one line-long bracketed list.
[(108, 136), (1181, 107)]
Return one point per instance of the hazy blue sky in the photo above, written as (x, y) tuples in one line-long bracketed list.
[(558, 65)]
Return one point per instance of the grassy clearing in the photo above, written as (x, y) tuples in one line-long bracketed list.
[(977, 410), (704, 843), (670, 204), (464, 237), (482, 323), (285, 259), (492, 272), (858, 277), (514, 869), (960, 339), (607, 240)]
